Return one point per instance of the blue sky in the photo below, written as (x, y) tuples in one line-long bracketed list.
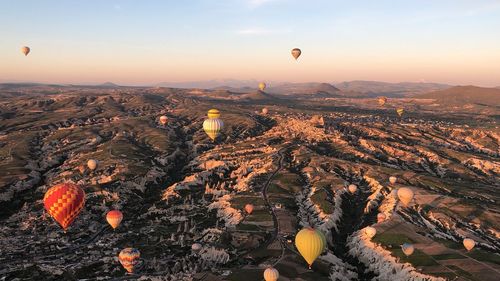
[(142, 42)]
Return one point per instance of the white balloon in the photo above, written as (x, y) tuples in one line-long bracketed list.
[(392, 179), (352, 188)]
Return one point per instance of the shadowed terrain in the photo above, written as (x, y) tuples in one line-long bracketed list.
[(176, 187)]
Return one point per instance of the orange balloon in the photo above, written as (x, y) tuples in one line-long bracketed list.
[(249, 208), (114, 218), (64, 202)]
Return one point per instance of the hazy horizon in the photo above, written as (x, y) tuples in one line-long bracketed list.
[(146, 43)]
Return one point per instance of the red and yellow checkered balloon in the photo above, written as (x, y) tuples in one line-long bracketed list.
[(64, 202)]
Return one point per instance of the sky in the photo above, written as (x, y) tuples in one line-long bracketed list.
[(144, 42)]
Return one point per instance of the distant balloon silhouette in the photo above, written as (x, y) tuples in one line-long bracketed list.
[(352, 188), (407, 249), (92, 164), (392, 179), (25, 50), (405, 195), (262, 86), (296, 52), (163, 120), (469, 244), (271, 274), (196, 247), (381, 217), (382, 100), (249, 208), (400, 111)]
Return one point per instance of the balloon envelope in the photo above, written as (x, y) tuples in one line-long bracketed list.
[(92, 164), (407, 249), (381, 217), (370, 231), (25, 50), (163, 120), (249, 208), (114, 218), (469, 244), (392, 179), (265, 110), (213, 113), (271, 274), (405, 195), (64, 202), (262, 86), (129, 258), (296, 52), (400, 111), (212, 127), (310, 244), (382, 100), (352, 188), (196, 247)]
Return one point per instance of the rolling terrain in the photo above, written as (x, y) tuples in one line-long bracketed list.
[(176, 187)]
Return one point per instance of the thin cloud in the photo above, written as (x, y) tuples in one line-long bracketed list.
[(261, 31)]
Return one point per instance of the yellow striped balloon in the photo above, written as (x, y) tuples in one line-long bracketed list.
[(310, 244), (212, 127), (213, 113), (271, 274), (400, 111), (129, 258)]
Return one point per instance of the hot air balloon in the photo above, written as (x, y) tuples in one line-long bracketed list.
[(196, 247), (296, 52), (213, 113), (352, 188), (265, 110), (382, 100), (392, 179), (405, 195), (271, 274), (381, 217), (163, 120), (469, 244), (25, 50), (249, 208), (64, 202), (81, 169), (262, 86), (310, 244), (92, 164), (400, 111), (114, 218), (407, 249), (129, 258), (213, 125), (370, 231)]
